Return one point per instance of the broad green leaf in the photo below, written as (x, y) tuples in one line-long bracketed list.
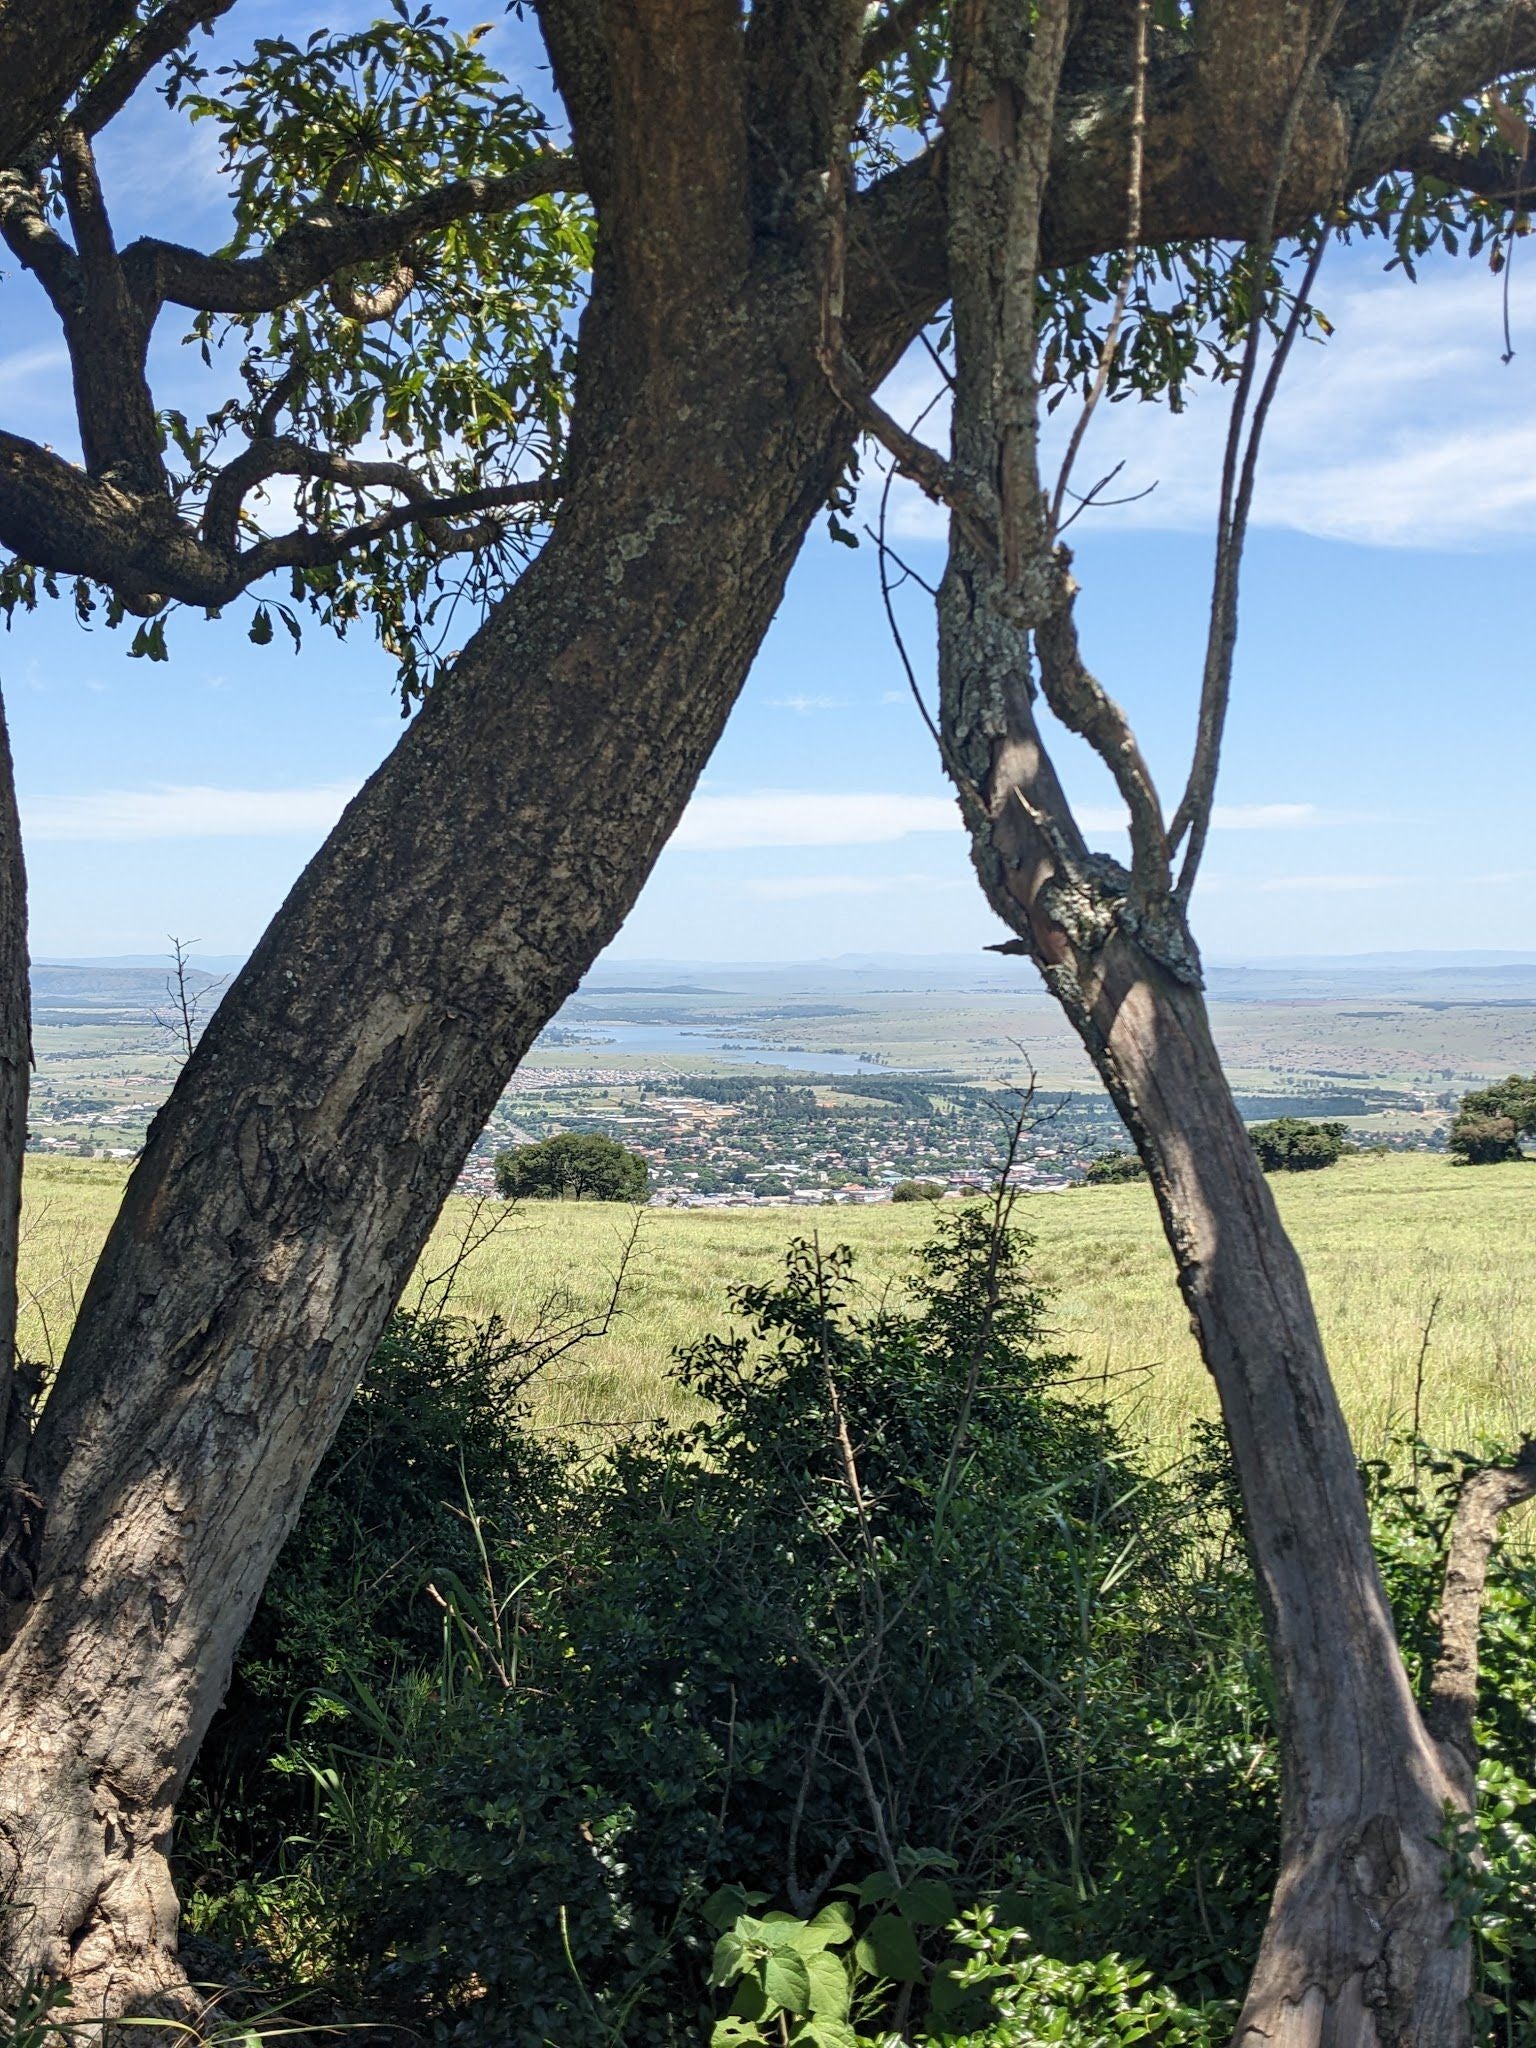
[(786, 1980), (828, 1975), (927, 1902), (889, 1949)]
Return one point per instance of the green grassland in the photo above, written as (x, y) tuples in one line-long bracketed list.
[(1385, 1240)]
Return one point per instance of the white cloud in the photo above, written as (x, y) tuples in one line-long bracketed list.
[(1405, 429), (795, 888), (24, 363), (789, 817), (186, 811), (1264, 817), (804, 704)]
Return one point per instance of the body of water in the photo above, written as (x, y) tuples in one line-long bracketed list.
[(728, 1050)]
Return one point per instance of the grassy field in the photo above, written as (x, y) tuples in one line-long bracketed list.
[(1382, 1239)]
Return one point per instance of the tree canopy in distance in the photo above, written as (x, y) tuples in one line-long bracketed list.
[(1488, 1127), (574, 1164)]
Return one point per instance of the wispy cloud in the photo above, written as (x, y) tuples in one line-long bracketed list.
[(805, 704), (789, 817), (1405, 429), (795, 817), (797, 888), (1334, 885), (25, 363), (186, 811)]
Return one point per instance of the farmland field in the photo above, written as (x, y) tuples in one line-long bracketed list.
[(1385, 1241)]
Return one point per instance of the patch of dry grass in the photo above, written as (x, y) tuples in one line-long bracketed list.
[(1382, 1238)]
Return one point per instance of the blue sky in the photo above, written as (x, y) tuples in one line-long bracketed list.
[(1375, 792)]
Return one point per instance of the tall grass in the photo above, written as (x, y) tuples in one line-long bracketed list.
[(1393, 1246)]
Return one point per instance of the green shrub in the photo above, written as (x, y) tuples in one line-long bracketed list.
[(1113, 1168), (1291, 1144), (1484, 1140), (897, 1612), (917, 1191)]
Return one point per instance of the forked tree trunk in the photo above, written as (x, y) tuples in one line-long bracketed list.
[(17, 1508), (1357, 1952)]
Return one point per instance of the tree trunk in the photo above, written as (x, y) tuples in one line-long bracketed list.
[(1357, 1950), (287, 1186), (18, 1506)]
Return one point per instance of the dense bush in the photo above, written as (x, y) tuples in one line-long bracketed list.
[(1293, 1145), (899, 1625), (1490, 1123), (1112, 1168), (917, 1191), (576, 1164)]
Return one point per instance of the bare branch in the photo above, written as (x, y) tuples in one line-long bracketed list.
[(1486, 173), (1085, 707), (331, 240), (1486, 1497), (382, 304), (310, 547), (147, 47)]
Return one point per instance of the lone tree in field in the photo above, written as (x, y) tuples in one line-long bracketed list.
[(1292, 1144), (574, 1164), (1486, 1130), (784, 197)]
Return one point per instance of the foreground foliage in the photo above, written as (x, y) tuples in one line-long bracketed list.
[(892, 1701)]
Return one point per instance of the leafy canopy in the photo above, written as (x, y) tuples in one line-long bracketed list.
[(574, 1163)]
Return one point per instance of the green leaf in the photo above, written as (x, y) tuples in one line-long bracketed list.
[(730, 1958), (927, 1902), (722, 1908), (261, 626), (824, 2033), (732, 2032), (881, 1885), (829, 1992), (786, 1981), (889, 1949)]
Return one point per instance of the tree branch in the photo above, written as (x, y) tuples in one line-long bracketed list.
[(284, 456), (36, 243), (53, 514), (332, 239), (149, 46), (311, 548), (1485, 173), (1486, 1497), (45, 50)]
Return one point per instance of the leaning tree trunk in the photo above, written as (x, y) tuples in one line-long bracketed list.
[(287, 1186), (18, 1507), (1357, 1951)]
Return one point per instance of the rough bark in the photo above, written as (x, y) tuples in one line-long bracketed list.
[(15, 1078), (287, 1186), (1357, 1950)]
